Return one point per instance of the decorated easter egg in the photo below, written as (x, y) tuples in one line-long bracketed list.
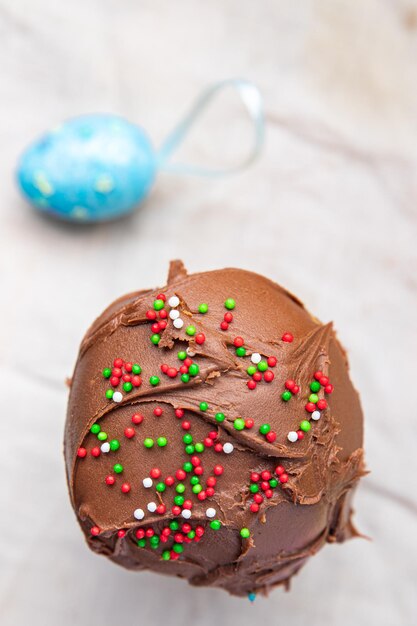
[(91, 168)]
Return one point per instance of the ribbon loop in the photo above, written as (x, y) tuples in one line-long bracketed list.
[(250, 97)]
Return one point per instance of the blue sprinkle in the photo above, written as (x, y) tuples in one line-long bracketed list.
[(252, 596)]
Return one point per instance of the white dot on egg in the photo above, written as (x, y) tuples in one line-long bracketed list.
[(173, 301), (147, 483), (178, 323), (138, 514), (117, 396), (256, 358), (292, 436), (174, 314)]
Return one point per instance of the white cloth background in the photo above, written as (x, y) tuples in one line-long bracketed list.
[(329, 211)]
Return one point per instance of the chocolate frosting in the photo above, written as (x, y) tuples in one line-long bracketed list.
[(304, 501)]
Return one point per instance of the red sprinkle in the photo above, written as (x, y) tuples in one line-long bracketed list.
[(310, 407), (258, 498), (300, 434), (283, 478), (118, 362), (172, 372), (321, 405), (255, 477), (328, 388), (271, 436), (296, 389), (176, 510), (129, 432), (128, 367), (218, 447), (251, 384), (254, 507), (137, 418), (121, 533), (289, 384), (161, 296), (96, 451), (202, 495), (186, 425), (136, 381), (279, 470), (238, 342), (324, 381), (180, 474), (157, 411), (318, 375), (287, 337), (81, 452), (125, 487), (164, 368), (95, 530), (169, 481), (163, 324), (151, 315), (161, 509), (257, 376), (210, 492), (155, 472), (272, 361), (179, 413), (200, 338), (211, 481), (228, 317), (218, 470), (224, 325), (249, 423), (114, 381), (199, 470), (155, 328), (163, 314), (110, 480), (269, 376), (140, 533)]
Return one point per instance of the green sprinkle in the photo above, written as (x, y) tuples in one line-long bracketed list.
[(215, 524), (179, 500), (185, 378), (182, 355), (273, 483), (114, 444), (160, 487), (166, 555), (156, 338), (262, 366), (162, 442), (136, 369), (190, 330), (158, 305), (219, 417), (239, 424), (254, 488), (245, 533), (315, 386), (203, 406), (287, 395), (313, 398), (148, 442), (178, 548), (102, 436), (95, 429), (229, 304), (109, 394), (199, 447), (241, 351), (305, 426), (187, 467), (203, 308), (187, 438), (142, 543), (118, 468), (251, 370), (197, 488), (174, 525), (107, 372), (180, 488), (154, 541), (194, 480), (189, 449), (191, 534), (154, 380), (127, 386), (264, 429), (193, 369)]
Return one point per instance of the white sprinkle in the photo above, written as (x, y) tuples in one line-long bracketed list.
[(256, 358), (178, 323), (117, 396), (186, 513), (211, 512), (151, 507), (138, 514), (147, 483), (190, 352), (292, 436), (228, 448), (174, 314), (173, 301), (105, 447), (315, 415)]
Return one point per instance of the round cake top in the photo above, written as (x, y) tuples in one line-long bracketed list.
[(227, 372)]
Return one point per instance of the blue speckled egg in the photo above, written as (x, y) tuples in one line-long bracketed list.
[(91, 168)]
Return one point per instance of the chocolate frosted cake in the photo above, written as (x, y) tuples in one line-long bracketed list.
[(213, 432)]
